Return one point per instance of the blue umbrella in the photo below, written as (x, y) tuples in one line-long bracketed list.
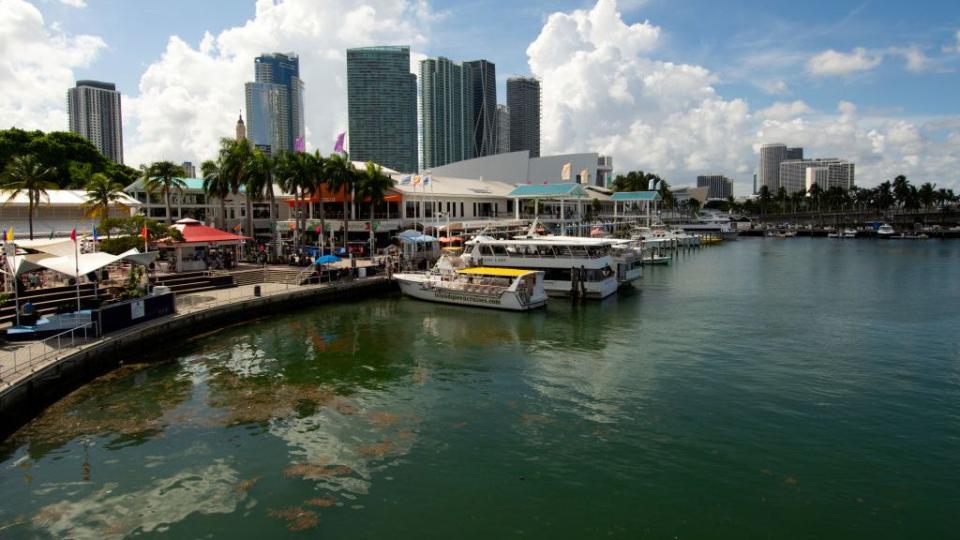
[(327, 259)]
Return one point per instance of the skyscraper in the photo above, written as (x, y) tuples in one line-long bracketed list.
[(94, 110), (275, 102), (503, 129), (446, 112), (382, 107), (484, 77), (771, 156), (719, 186), (523, 99)]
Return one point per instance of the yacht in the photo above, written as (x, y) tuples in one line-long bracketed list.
[(626, 253), (885, 231), (849, 233), (582, 267), (501, 288), (712, 223)]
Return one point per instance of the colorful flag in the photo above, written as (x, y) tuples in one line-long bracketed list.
[(416, 180), (95, 238), (426, 180), (73, 234), (318, 230), (237, 227), (338, 146), (405, 180), (565, 172), (9, 236), (299, 145), (144, 232)]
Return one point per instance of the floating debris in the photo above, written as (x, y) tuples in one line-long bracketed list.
[(321, 502), (316, 471), (245, 485)]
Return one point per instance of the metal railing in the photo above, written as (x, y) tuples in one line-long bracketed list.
[(29, 357)]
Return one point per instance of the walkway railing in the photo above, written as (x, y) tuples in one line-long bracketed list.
[(32, 355)]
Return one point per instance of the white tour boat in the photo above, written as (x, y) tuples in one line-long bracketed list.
[(712, 223), (583, 267), (500, 288), (885, 231)]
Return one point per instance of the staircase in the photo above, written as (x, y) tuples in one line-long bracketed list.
[(193, 282), (272, 274)]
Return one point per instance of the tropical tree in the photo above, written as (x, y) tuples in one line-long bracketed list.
[(216, 186), (373, 184), (341, 175), (782, 198), (901, 190), (693, 206), (165, 177), (296, 172), (884, 196), (233, 160), (765, 197), (816, 193), (25, 174), (927, 195), (102, 192)]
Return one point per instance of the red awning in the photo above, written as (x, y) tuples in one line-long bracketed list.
[(325, 195), (194, 233)]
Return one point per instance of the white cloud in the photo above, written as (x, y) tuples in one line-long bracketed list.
[(774, 87), (784, 111), (600, 94), (191, 96), (831, 62), (917, 60), (955, 47), (37, 62), (75, 3)]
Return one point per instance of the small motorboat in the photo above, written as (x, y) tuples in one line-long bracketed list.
[(501, 288), (849, 233), (885, 231)]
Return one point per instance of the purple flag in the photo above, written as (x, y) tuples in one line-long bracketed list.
[(299, 145), (338, 147)]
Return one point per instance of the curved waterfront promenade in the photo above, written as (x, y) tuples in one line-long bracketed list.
[(33, 381)]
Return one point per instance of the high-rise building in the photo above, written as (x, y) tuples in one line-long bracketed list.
[(793, 153), (382, 107), (796, 175), (94, 110), (483, 74), (771, 156), (275, 102), (503, 129), (446, 112), (830, 173), (189, 170), (719, 186), (523, 99)]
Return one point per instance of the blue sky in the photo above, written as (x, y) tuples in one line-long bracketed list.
[(679, 87), (721, 36)]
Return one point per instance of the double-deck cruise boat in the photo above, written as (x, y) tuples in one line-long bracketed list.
[(712, 223), (501, 288), (626, 253), (583, 267)]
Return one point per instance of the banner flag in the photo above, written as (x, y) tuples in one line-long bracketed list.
[(338, 146), (565, 172)]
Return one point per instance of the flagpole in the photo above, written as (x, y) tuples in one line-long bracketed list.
[(76, 266), (13, 271)]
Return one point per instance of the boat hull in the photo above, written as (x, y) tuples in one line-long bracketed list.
[(424, 290)]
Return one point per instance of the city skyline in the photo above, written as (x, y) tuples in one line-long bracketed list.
[(877, 99)]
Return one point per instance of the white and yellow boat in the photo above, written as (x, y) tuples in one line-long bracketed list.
[(500, 288)]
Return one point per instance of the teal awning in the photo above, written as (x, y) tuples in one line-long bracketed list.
[(195, 184), (635, 196), (548, 191)]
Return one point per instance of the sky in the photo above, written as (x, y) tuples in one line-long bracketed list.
[(677, 87)]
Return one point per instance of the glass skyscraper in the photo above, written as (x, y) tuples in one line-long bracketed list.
[(94, 111), (275, 102), (382, 107), (483, 75), (446, 112), (523, 100)]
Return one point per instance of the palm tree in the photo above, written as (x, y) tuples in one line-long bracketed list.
[(341, 175), (782, 198), (816, 193), (216, 186), (258, 182), (233, 160), (765, 197), (25, 174), (102, 192), (164, 176), (296, 173), (901, 190), (927, 195), (373, 184)]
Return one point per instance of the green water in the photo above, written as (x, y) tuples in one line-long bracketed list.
[(803, 388)]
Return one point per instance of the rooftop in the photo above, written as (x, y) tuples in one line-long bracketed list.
[(635, 196), (548, 191)]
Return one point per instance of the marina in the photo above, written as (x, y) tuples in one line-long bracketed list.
[(351, 412)]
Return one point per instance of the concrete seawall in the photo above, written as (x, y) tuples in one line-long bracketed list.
[(27, 397)]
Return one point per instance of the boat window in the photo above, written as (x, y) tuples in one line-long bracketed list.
[(488, 250)]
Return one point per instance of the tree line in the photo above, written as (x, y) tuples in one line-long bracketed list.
[(31, 163)]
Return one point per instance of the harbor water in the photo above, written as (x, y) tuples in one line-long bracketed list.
[(764, 388)]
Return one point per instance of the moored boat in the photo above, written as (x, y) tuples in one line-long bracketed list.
[(501, 288)]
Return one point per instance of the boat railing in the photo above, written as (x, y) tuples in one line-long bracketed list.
[(36, 354)]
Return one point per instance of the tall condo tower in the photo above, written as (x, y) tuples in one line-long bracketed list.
[(484, 77), (275, 102), (503, 129), (382, 107), (94, 110), (523, 100), (447, 112)]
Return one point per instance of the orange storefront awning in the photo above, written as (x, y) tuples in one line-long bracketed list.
[(341, 195)]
